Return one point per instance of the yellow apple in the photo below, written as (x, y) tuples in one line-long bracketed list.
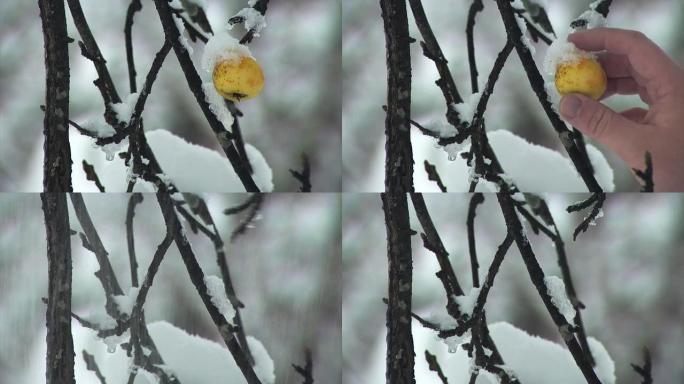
[(585, 76), (238, 79)]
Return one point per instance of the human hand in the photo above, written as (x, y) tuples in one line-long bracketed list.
[(634, 65)]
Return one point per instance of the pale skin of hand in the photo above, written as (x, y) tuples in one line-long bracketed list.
[(634, 65)]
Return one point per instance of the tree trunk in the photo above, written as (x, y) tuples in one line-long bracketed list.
[(57, 159), (399, 154), (400, 353), (60, 346)]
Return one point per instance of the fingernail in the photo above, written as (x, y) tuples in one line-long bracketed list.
[(570, 106)]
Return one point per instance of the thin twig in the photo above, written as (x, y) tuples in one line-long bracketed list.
[(475, 200), (647, 174), (597, 200), (304, 177), (106, 273), (433, 175), (433, 242), (91, 175), (433, 364), (133, 201), (307, 370), (92, 366), (134, 7), (645, 370), (475, 7)]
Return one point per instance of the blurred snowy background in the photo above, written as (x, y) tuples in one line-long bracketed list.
[(513, 106), (298, 111), (285, 270), (627, 271)]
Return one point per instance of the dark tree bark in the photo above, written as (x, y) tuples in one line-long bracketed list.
[(60, 346), (57, 159), (400, 353), (399, 154)]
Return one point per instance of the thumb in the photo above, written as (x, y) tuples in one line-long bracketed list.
[(600, 122)]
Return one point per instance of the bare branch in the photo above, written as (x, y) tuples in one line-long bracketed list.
[(536, 274), (307, 370), (475, 200), (226, 330), (92, 175), (106, 273), (304, 177), (434, 366), (433, 175)]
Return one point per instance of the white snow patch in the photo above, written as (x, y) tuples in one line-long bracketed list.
[(100, 318), (217, 291), (124, 110), (466, 109), (555, 287), (531, 167), (467, 302), (192, 168), (191, 358), (253, 19), (217, 105), (181, 161), (553, 363), (441, 128), (181, 37), (222, 46), (125, 303), (560, 52), (99, 127), (593, 18), (523, 29)]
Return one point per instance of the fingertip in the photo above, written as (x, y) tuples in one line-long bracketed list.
[(570, 105)]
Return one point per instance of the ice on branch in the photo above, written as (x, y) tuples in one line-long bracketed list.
[(99, 127), (125, 303), (466, 109), (124, 109), (217, 291), (555, 287), (253, 20)]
